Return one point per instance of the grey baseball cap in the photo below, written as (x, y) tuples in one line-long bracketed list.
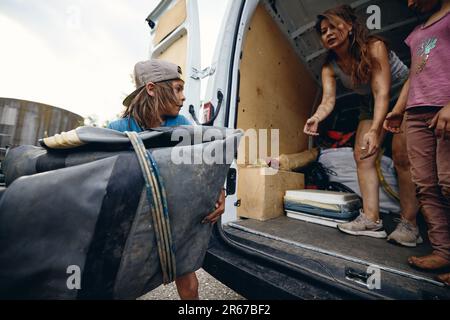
[(155, 71)]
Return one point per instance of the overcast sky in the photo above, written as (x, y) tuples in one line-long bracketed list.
[(79, 54)]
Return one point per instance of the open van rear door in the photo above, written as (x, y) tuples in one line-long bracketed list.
[(176, 38), (223, 82)]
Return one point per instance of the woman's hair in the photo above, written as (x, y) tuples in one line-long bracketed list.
[(360, 40), (148, 110)]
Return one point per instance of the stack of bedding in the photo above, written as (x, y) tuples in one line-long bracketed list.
[(322, 207)]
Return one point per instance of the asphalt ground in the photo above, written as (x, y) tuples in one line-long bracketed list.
[(209, 289)]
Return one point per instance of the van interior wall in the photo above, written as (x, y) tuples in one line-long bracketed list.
[(170, 21), (176, 51), (276, 89)]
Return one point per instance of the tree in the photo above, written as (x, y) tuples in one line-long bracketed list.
[(92, 121)]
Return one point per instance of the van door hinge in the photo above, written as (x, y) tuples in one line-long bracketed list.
[(197, 75)]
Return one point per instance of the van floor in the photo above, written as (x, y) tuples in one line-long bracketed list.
[(329, 241)]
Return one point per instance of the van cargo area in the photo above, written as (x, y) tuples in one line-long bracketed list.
[(279, 88)]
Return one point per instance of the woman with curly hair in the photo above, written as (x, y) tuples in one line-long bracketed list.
[(366, 66)]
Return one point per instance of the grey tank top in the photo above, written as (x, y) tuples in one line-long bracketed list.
[(399, 74)]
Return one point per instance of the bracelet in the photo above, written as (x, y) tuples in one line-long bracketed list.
[(314, 116)]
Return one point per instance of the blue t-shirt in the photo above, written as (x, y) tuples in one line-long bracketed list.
[(129, 124)]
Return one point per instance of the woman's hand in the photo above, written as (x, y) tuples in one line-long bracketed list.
[(393, 122), (312, 126), (441, 122), (220, 209), (371, 144)]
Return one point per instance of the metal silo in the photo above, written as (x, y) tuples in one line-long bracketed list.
[(25, 122)]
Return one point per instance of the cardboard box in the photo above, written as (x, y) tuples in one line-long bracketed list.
[(261, 194)]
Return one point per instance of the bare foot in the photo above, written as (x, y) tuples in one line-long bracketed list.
[(431, 262), (445, 279)]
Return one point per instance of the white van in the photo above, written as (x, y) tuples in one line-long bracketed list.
[(265, 74)]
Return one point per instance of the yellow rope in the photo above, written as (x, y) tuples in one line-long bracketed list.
[(384, 183)]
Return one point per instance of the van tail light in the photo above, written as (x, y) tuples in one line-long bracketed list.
[(206, 112)]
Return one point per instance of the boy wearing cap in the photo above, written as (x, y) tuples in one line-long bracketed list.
[(426, 98), (157, 102)]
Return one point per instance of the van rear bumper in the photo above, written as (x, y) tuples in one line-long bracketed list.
[(258, 279), (257, 272)]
